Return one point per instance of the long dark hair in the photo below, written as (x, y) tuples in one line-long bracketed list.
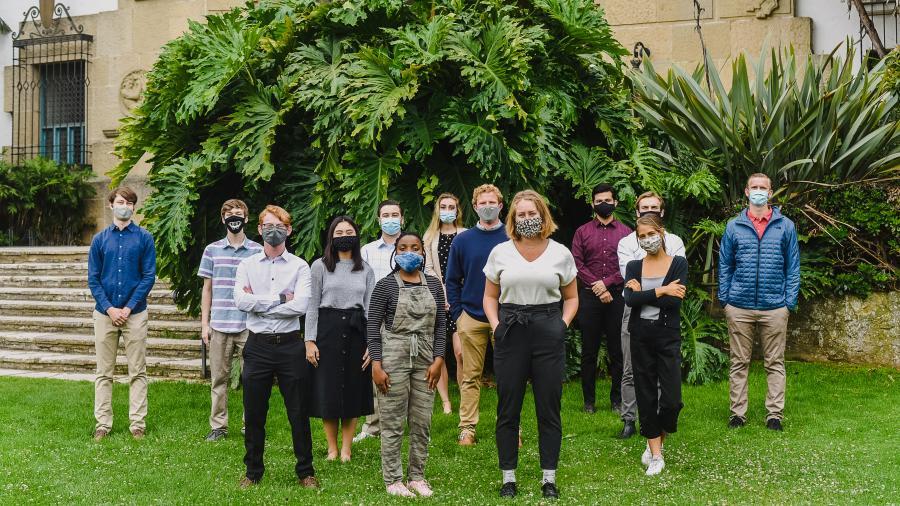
[(394, 253), (330, 256)]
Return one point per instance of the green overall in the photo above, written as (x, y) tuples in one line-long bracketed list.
[(407, 352)]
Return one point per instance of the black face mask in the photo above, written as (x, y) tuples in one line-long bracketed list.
[(604, 209), (654, 213), (345, 242), (235, 224)]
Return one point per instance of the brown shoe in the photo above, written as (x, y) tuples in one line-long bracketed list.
[(309, 482), (247, 483), (466, 438), (100, 433), (137, 434)]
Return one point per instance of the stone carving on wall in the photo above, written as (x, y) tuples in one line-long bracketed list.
[(131, 89), (763, 8)]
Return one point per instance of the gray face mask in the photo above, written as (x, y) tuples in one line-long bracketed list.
[(488, 213), (122, 212), (274, 237)]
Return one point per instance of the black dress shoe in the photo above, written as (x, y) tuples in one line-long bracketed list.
[(509, 489), (774, 424), (589, 408), (550, 491), (616, 408), (628, 430), (736, 422)]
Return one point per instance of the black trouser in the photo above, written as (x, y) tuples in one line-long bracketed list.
[(600, 321), (265, 357), (530, 344), (656, 357)]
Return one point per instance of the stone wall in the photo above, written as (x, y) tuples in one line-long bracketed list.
[(847, 329)]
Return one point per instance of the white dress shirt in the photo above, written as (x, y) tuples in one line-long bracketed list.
[(629, 249), (269, 278), (378, 255)]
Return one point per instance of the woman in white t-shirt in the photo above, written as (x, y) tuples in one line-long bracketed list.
[(527, 278)]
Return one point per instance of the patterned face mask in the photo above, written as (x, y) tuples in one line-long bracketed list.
[(529, 227), (651, 244)]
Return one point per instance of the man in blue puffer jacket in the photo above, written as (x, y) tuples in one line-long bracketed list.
[(759, 281)]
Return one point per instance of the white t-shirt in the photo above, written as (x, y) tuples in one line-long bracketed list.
[(523, 282)]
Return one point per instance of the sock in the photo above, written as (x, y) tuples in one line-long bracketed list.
[(549, 476), (509, 476)]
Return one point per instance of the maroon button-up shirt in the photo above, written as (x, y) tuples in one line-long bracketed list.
[(594, 248)]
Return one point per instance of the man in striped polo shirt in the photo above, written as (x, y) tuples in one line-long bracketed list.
[(223, 326)]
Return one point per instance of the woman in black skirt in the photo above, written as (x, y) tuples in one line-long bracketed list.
[(341, 286)]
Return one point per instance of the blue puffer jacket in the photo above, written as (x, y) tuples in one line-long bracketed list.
[(759, 273)]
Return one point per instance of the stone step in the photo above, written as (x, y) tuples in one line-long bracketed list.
[(64, 308), (156, 296), (166, 367), (44, 269), (83, 344), (56, 281), (76, 325), (44, 254)]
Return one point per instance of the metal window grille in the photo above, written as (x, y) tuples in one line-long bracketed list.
[(50, 83), (885, 17)]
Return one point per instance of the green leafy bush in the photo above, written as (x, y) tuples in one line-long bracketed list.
[(43, 202)]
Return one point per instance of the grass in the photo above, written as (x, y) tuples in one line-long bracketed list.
[(840, 446)]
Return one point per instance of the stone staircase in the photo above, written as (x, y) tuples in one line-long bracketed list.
[(46, 327)]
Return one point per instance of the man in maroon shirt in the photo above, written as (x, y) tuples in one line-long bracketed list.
[(600, 294)]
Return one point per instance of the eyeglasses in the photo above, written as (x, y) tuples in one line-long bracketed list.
[(268, 227)]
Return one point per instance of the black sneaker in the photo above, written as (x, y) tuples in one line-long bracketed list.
[(509, 489), (774, 424), (736, 422), (216, 434), (628, 430), (550, 491)]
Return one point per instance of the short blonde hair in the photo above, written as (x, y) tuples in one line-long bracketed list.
[(486, 188), (276, 211), (231, 204), (548, 226), (649, 195)]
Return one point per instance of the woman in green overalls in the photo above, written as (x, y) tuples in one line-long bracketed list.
[(407, 338)]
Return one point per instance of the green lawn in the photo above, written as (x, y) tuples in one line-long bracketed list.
[(840, 445)]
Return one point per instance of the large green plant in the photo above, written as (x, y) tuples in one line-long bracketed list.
[(330, 107)]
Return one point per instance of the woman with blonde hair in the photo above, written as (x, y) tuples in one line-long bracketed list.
[(446, 224), (530, 299)]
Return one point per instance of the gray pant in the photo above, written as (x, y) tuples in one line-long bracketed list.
[(629, 401)]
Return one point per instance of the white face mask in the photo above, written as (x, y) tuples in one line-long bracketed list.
[(651, 244)]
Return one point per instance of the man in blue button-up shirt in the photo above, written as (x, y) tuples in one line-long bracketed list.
[(121, 272)]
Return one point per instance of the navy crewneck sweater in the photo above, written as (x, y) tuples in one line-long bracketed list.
[(465, 270)]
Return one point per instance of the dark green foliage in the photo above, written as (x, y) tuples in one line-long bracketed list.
[(43, 202)]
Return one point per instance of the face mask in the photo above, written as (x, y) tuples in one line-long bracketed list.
[(409, 262), (651, 213), (235, 224), (345, 242), (759, 197), (123, 212), (390, 226), (488, 213), (604, 209), (274, 237), (529, 227), (448, 216), (651, 244)]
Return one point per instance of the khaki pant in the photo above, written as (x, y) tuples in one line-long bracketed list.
[(473, 336), (222, 347), (106, 344), (743, 325)]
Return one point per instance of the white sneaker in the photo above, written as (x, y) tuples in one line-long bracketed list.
[(362, 435), (656, 466), (645, 457), (399, 489)]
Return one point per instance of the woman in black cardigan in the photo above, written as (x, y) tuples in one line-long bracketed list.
[(654, 288)]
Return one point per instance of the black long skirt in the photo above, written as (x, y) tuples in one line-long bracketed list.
[(341, 388)]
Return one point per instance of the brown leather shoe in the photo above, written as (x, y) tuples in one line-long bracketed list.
[(247, 483), (466, 438), (99, 434), (310, 482), (137, 434)]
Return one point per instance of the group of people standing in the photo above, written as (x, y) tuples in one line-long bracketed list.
[(369, 330)]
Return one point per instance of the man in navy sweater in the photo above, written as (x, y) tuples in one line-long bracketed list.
[(465, 293)]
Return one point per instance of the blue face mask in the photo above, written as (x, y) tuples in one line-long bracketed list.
[(409, 262), (448, 216), (390, 226), (759, 197)]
